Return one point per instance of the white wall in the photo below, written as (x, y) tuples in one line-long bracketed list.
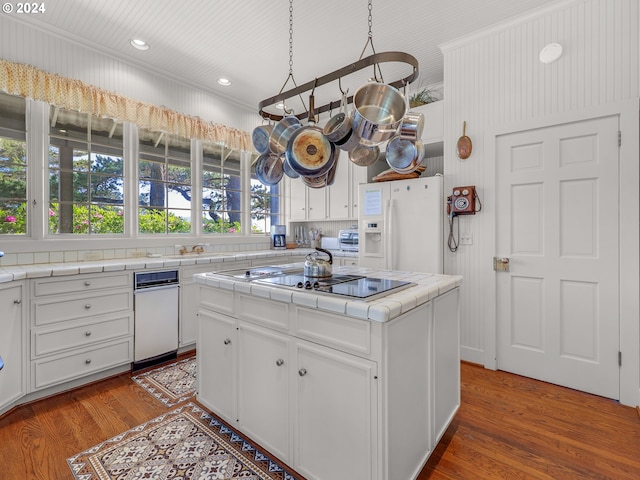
[(494, 79), (21, 43)]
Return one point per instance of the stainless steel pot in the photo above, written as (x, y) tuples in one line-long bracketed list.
[(269, 169), (378, 112), (314, 266), (260, 138), (339, 126), (404, 156), (364, 155), (412, 126), (282, 132)]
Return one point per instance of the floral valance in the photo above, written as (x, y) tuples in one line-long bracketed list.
[(30, 82)]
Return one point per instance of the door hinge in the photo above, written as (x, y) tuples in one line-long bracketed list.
[(619, 359), (619, 138)]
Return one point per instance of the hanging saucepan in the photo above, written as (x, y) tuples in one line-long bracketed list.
[(282, 132), (288, 171), (308, 152), (260, 138), (338, 128), (412, 126), (315, 182), (364, 155), (464, 144), (331, 174), (377, 113), (269, 169), (314, 266), (404, 156)]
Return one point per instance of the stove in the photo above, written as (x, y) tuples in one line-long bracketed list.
[(354, 286)]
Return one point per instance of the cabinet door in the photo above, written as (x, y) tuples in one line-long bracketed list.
[(316, 203), (358, 176), (188, 313), (13, 374), (297, 199), (263, 388), (217, 364), (338, 193), (335, 414)]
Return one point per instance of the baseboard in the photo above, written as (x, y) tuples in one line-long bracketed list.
[(472, 355)]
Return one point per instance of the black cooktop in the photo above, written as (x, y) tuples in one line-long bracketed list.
[(355, 286)]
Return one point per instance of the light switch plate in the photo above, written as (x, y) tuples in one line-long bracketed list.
[(466, 239)]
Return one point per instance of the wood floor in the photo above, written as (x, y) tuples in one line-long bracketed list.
[(508, 427)]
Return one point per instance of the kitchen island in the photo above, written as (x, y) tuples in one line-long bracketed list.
[(336, 387)]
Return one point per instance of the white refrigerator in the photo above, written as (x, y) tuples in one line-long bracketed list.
[(400, 225)]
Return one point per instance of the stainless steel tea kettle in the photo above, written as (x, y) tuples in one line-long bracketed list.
[(314, 266)]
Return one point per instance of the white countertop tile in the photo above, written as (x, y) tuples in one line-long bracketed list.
[(333, 304)]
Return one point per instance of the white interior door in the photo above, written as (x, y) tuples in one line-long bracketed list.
[(557, 222)]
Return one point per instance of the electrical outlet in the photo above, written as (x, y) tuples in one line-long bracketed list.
[(466, 239)]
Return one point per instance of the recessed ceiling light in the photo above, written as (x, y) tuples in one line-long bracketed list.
[(139, 44), (225, 82), (280, 106), (550, 53)]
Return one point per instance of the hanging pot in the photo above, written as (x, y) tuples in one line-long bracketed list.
[(364, 155), (378, 112), (308, 152), (404, 156), (412, 126), (269, 169), (260, 138), (314, 266), (464, 144), (288, 171), (339, 126), (281, 133)]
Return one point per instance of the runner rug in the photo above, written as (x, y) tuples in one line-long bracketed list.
[(171, 384), (186, 443)]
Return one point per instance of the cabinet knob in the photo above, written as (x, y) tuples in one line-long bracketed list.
[(227, 341), (87, 283), (279, 362), (87, 333), (87, 361), (17, 301), (87, 306), (302, 372)]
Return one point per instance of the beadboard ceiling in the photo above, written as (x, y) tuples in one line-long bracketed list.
[(247, 41)]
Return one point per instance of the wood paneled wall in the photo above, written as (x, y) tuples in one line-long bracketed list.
[(494, 78)]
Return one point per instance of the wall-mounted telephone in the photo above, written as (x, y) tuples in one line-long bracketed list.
[(463, 201)]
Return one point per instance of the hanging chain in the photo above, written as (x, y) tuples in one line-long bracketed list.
[(291, 37), (370, 42), (370, 21)]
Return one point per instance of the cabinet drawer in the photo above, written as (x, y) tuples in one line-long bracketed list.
[(71, 308), (81, 283), (263, 312), (344, 333), (216, 300), (61, 368), (45, 341)]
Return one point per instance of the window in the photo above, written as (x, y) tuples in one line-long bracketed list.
[(85, 174), (164, 183), (221, 190), (13, 166), (265, 205)]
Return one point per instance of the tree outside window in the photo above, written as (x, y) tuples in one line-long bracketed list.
[(265, 205), (86, 180), (221, 190), (13, 166)]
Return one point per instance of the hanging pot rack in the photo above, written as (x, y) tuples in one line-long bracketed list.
[(337, 75)]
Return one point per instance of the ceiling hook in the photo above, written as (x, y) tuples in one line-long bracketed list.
[(340, 86)]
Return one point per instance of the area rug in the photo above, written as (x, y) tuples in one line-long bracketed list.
[(185, 443), (171, 384)]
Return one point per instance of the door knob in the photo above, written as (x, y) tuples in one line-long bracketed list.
[(500, 264)]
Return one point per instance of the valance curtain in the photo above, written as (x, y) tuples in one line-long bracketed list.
[(30, 82)]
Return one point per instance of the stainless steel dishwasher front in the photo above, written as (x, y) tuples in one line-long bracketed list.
[(156, 317)]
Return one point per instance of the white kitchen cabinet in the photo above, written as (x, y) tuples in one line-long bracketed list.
[(217, 365), (80, 325), (316, 203), (345, 261), (304, 203), (339, 193), (12, 321), (264, 393), (358, 175), (335, 414)]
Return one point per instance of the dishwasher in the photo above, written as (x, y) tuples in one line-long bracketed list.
[(156, 317)]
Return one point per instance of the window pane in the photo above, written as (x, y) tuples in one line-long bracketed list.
[(86, 174), (164, 183), (221, 190), (13, 166), (265, 206)]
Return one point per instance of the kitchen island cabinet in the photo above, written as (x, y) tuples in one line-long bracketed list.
[(334, 387)]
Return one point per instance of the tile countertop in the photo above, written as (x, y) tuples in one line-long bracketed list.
[(427, 286), (21, 272)]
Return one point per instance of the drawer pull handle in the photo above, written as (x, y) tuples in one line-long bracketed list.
[(227, 341), (87, 361), (87, 333), (17, 301), (87, 283), (87, 306), (279, 362), (302, 372)]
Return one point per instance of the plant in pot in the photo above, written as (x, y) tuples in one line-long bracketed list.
[(421, 97)]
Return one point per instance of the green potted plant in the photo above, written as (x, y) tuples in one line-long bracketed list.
[(421, 97)]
